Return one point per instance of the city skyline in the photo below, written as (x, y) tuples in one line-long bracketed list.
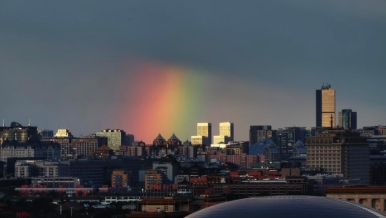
[(162, 68)]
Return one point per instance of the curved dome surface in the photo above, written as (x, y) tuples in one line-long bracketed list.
[(287, 206)]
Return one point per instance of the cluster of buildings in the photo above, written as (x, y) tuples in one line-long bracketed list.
[(290, 160)]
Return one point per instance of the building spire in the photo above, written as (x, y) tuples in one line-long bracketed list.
[(3, 123), (331, 121)]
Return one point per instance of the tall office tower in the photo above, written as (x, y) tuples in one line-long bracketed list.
[(339, 152), (325, 107), (348, 119), (204, 134), (259, 133), (226, 133)]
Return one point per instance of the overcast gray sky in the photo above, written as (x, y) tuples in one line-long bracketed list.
[(68, 64)]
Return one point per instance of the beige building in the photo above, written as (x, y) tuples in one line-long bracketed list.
[(119, 178), (226, 130), (63, 133), (374, 197), (339, 152), (204, 134), (325, 107), (153, 177), (115, 137)]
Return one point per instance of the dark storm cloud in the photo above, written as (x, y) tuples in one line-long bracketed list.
[(67, 56)]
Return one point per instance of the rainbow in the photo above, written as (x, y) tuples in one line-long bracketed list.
[(164, 99)]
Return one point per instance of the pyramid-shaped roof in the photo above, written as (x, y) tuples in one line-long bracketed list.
[(159, 137), (174, 137)]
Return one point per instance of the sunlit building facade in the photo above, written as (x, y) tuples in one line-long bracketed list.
[(115, 137), (204, 134), (226, 133), (325, 107)]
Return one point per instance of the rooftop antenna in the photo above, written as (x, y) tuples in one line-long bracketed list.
[(29, 122), (3, 123)]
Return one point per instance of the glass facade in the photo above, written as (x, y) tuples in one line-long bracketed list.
[(348, 119), (325, 107)]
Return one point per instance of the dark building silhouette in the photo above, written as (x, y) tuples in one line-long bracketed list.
[(348, 119), (160, 142), (173, 142), (259, 133), (19, 133), (285, 140)]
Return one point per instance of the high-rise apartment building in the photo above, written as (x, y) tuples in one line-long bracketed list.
[(339, 152), (226, 133), (325, 107), (348, 119), (204, 134), (115, 137)]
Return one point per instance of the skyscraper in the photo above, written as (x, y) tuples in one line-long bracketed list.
[(348, 119), (325, 107), (204, 134), (226, 133)]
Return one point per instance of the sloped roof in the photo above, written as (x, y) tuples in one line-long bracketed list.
[(159, 137), (174, 137), (301, 149), (259, 147), (104, 148), (273, 149)]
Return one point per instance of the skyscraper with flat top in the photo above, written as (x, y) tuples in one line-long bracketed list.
[(348, 119), (325, 107), (204, 134), (226, 133)]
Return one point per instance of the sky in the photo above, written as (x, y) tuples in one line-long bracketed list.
[(151, 67)]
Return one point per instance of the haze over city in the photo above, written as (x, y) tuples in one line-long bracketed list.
[(162, 67)]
